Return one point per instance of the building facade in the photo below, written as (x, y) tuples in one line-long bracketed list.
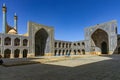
[(102, 38), (39, 40)]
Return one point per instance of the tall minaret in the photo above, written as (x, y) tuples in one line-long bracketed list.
[(15, 21), (4, 10)]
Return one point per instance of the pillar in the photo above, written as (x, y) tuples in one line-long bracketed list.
[(21, 54), (12, 53)]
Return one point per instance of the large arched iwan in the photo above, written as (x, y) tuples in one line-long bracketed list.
[(100, 39), (40, 42)]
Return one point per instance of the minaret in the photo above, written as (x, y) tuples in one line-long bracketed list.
[(4, 10), (15, 21)]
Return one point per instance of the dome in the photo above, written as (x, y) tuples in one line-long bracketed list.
[(12, 31)]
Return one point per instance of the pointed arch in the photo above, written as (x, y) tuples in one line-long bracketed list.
[(55, 52), (16, 53), (55, 44), (25, 52), (83, 51), (63, 53), (16, 42), (7, 41), (104, 47), (98, 37), (74, 52), (7, 53), (25, 42), (59, 53), (40, 42)]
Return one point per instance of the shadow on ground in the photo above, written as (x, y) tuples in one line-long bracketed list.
[(102, 70)]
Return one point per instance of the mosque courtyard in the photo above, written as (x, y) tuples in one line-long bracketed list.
[(84, 68)]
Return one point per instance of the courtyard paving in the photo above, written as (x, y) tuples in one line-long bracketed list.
[(84, 68)]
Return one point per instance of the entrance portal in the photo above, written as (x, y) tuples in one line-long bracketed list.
[(40, 42), (104, 48), (119, 50), (25, 53)]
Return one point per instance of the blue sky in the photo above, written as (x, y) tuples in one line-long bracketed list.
[(68, 17)]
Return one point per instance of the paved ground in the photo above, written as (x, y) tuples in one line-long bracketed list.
[(40, 59), (87, 68)]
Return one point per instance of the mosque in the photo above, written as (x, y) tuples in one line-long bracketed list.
[(39, 40)]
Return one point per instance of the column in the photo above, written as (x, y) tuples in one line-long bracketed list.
[(12, 53), (21, 54)]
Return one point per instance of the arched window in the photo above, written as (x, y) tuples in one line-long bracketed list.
[(83, 43), (16, 53), (7, 41), (69, 52), (66, 45), (74, 44), (63, 52), (7, 53), (25, 42), (55, 44), (59, 44), (74, 52), (16, 42), (78, 44), (59, 52), (25, 52), (55, 52), (83, 51)]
